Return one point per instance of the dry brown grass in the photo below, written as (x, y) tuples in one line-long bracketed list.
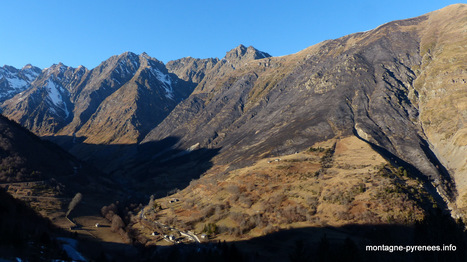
[(357, 186)]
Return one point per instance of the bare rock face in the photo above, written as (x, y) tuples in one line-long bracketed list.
[(380, 85), (191, 69), (234, 59), (240, 55)]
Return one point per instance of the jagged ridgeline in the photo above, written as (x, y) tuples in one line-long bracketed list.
[(117, 102)]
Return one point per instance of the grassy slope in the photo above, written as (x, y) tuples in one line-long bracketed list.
[(348, 183)]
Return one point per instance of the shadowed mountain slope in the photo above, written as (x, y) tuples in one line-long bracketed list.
[(25, 157)]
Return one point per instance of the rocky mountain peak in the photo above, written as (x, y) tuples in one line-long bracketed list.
[(129, 61), (59, 66), (148, 61), (28, 66), (245, 53), (58, 72), (31, 68), (116, 69), (126, 58), (14, 81), (237, 51), (145, 55), (81, 69), (9, 68), (241, 55), (128, 55)]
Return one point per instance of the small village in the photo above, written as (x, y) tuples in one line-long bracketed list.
[(161, 232)]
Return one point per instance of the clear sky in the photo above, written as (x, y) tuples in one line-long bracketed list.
[(88, 32)]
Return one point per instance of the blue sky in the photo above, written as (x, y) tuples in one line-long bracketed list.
[(88, 32)]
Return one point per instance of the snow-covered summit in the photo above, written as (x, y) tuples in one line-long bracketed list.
[(14, 81)]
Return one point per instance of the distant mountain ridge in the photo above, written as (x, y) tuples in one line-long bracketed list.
[(14, 81), (117, 102), (137, 90)]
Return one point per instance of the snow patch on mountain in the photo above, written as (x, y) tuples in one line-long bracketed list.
[(17, 83), (54, 94), (31, 75), (14, 81), (166, 82), (55, 97)]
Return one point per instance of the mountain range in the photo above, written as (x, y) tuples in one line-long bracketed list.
[(119, 101), (399, 89)]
